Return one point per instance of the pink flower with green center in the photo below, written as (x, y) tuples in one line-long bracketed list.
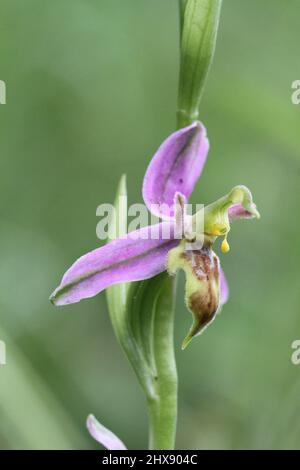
[(169, 181)]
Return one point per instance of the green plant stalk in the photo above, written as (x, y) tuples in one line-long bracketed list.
[(162, 408), (199, 21)]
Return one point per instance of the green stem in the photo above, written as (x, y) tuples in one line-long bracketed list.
[(162, 407), (199, 25)]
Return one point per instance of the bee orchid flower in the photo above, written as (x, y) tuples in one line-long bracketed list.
[(169, 180)]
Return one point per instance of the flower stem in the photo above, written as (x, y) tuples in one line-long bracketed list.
[(199, 21), (162, 407)]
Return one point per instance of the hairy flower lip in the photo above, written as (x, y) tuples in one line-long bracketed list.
[(202, 272)]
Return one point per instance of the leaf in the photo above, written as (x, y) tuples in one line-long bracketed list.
[(117, 295), (125, 302)]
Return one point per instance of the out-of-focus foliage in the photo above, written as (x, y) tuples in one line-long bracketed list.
[(91, 92)]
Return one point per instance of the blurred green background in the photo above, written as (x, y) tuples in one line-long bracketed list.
[(91, 93)]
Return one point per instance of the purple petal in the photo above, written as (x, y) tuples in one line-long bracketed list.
[(133, 257), (224, 288), (237, 211), (175, 167), (107, 438)]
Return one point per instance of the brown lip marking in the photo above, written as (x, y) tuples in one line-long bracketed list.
[(204, 304)]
